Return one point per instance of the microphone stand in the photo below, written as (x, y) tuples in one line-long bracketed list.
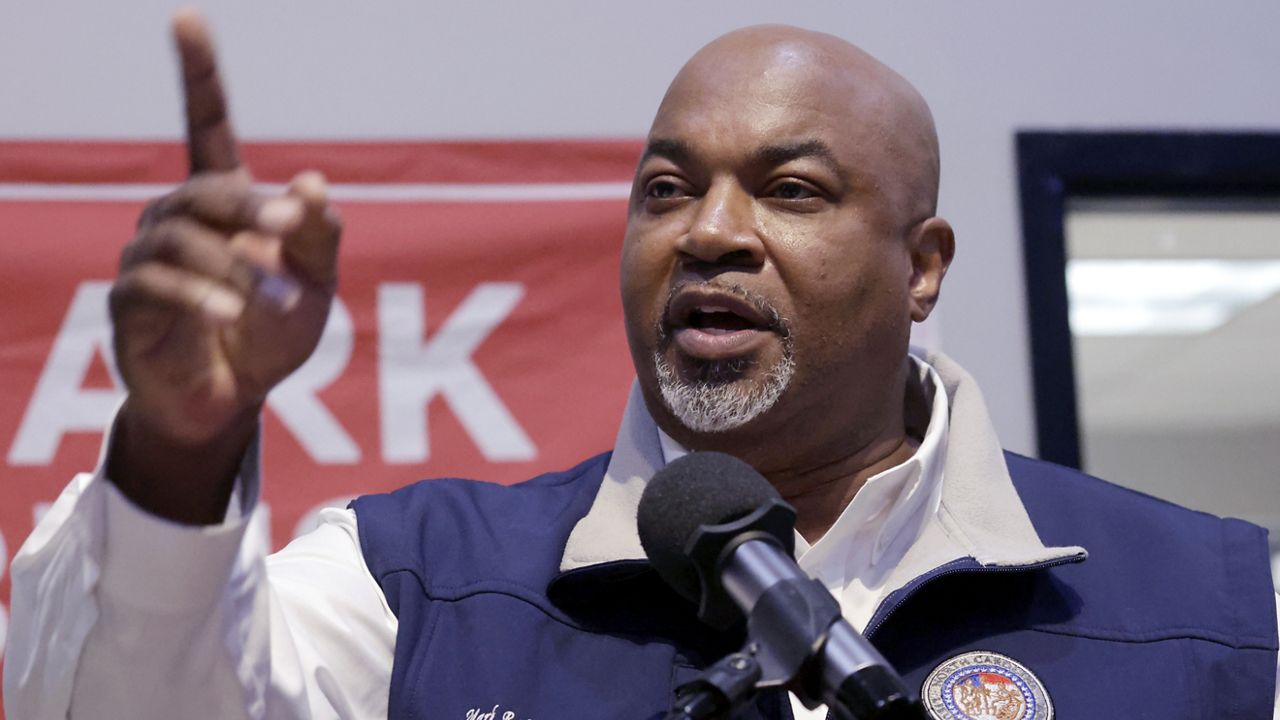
[(851, 691), (789, 625), (718, 690)]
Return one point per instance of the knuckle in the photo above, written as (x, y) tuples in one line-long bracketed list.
[(215, 196), (153, 242), (164, 207), (129, 255), (116, 295), (123, 292), (150, 213)]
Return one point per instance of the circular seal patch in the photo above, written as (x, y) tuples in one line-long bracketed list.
[(984, 685)]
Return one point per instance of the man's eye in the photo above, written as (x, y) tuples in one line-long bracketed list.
[(790, 190), (662, 189)]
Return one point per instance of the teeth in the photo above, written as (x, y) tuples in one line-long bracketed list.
[(713, 309)]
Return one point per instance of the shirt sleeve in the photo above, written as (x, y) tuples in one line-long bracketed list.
[(120, 614)]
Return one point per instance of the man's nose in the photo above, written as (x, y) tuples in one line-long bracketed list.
[(723, 230)]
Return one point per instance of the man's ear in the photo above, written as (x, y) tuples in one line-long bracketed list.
[(932, 244)]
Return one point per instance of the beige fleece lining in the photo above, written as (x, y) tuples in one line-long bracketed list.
[(980, 514)]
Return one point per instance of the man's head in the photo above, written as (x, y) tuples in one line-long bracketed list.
[(781, 239)]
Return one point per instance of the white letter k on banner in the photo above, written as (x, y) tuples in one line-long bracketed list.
[(411, 372)]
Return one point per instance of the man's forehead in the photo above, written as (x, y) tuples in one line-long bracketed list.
[(778, 58), (783, 45), (772, 78), (781, 86)]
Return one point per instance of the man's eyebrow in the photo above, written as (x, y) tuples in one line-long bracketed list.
[(781, 154), (675, 150), (681, 152)]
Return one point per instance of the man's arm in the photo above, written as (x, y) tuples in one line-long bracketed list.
[(141, 587), (221, 294), (307, 633)]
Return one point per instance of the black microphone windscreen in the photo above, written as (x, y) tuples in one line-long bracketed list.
[(702, 488)]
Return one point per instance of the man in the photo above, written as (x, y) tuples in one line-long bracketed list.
[(781, 240)]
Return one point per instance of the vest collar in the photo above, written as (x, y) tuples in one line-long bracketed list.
[(980, 514)]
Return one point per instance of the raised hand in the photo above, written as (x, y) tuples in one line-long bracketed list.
[(222, 293)]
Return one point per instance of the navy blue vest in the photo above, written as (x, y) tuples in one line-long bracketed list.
[(1172, 615)]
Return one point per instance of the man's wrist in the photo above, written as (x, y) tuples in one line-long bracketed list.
[(189, 483)]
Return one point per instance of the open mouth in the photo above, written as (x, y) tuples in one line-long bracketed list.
[(716, 319), (712, 323)]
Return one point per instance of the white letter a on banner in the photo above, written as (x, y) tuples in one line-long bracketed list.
[(59, 404), (411, 372)]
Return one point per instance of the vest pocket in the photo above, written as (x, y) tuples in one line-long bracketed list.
[(494, 656)]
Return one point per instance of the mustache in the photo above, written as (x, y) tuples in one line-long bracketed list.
[(774, 320)]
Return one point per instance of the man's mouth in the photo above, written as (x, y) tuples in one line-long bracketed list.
[(715, 319), (713, 323)]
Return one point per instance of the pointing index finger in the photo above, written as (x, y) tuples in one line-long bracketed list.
[(211, 145)]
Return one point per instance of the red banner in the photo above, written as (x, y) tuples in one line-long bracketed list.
[(477, 330)]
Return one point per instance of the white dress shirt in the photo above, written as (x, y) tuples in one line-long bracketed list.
[(305, 633)]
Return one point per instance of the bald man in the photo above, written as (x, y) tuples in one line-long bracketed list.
[(781, 239)]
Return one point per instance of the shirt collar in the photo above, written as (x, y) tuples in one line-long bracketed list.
[(892, 505), (978, 512), (892, 508)]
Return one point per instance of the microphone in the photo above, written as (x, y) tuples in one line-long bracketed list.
[(720, 535)]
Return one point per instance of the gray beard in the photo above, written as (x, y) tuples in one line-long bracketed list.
[(715, 402)]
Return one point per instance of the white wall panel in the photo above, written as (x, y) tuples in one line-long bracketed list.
[(419, 69)]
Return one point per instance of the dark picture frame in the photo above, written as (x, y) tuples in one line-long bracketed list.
[(1055, 167)]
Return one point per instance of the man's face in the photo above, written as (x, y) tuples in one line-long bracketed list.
[(764, 272)]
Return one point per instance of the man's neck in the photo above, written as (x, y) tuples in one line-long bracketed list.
[(820, 479), (820, 451), (820, 494)]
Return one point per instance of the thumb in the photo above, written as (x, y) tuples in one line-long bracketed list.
[(311, 249)]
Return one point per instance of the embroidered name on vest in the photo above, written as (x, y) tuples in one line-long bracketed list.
[(491, 714)]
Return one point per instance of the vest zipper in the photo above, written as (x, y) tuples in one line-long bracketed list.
[(879, 618)]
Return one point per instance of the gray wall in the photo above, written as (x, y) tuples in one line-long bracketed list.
[(420, 69)]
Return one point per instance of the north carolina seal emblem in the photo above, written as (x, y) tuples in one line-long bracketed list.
[(985, 686)]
